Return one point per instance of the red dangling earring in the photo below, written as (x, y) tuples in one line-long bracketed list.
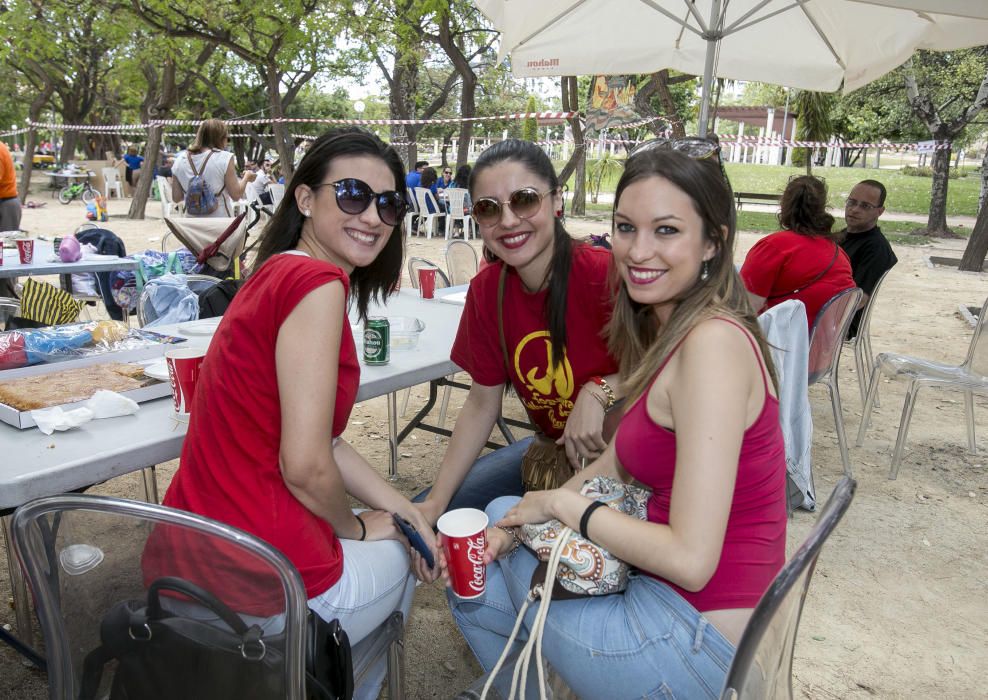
[(559, 213)]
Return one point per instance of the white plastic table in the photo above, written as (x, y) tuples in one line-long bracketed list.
[(13, 267)]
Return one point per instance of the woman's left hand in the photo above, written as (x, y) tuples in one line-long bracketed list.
[(583, 435), (534, 507), (419, 566)]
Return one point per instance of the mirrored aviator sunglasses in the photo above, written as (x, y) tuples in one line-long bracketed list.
[(524, 204), (354, 196)]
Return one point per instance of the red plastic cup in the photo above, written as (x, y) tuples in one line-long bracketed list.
[(25, 249), (183, 373), (463, 535), (427, 282)]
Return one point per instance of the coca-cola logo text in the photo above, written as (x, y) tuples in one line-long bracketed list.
[(475, 555)]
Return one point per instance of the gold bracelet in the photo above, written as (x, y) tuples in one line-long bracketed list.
[(608, 391)]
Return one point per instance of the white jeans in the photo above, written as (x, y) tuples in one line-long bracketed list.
[(376, 581)]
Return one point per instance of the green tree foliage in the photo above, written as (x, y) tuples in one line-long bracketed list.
[(530, 127), (814, 123)]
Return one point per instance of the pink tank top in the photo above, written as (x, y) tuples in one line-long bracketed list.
[(755, 540)]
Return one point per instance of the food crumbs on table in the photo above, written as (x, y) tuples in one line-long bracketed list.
[(51, 446)]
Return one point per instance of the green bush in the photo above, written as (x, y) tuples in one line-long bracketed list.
[(925, 171)]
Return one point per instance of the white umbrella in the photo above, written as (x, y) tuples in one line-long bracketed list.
[(810, 44)]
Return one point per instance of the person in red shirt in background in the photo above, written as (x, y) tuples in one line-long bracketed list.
[(556, 302), (804, 261), (701, 431), (264, 450)]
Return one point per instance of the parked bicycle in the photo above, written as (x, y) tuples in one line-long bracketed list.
[(86, 191)]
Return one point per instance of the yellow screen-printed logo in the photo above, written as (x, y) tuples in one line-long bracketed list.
[(550, 388)]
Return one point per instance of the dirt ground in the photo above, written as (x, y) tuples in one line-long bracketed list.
[(897, 606)]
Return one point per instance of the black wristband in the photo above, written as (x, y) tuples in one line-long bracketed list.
[(585, 520), (363, 528)]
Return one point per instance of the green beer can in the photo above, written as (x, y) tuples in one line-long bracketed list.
[(377, 341)]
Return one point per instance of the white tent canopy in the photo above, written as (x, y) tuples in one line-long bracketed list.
[(820, 45)]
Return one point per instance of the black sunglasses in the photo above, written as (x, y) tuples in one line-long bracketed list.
[(354, 196), (525, 203)]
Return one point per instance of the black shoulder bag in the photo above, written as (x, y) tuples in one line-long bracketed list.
[(162, 655)]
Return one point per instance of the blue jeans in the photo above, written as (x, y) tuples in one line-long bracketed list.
[(497, 473), (647, 642)]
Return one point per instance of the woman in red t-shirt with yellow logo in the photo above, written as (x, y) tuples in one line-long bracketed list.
[(552, 298)]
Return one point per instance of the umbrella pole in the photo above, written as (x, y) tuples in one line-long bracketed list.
[(712, 36)]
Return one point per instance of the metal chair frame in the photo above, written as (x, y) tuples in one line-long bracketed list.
[(464, 252)]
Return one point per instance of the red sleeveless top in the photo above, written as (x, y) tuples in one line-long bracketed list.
[(755, 540)]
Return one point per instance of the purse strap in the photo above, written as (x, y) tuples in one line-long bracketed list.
[(198, 594), (812, 281), (543, 591), (501, 337)]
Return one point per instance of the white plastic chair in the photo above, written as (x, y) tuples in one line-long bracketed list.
[(168, 207), (970, 377), (111, 181), (277, 193), (427, 222), (456, 202)]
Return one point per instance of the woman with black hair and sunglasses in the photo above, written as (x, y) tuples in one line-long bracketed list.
[(263, 450), (550, 295)]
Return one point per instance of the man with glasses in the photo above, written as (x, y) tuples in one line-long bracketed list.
[(870, 253)]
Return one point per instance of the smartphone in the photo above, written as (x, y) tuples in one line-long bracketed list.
[(415, 539)]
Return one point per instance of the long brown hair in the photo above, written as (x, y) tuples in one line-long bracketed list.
[(212, 133), (803, 208), (283, 231), (635, 337)]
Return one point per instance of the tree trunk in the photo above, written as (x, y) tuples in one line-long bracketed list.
[(143, 189), (401, 101), (936, 225), (577, 165), (69, 143), (283, 142), (468, 108), (983, 199), (977, 245), (30, 138)]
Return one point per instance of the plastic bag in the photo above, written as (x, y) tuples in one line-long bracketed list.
[(24, 347), (169, 300)]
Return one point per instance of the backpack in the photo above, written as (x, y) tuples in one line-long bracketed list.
[(200, 200)]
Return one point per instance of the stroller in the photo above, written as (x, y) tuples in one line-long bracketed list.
[(220, 247), (219, 244)]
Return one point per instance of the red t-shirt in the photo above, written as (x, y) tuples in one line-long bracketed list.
[(230, 460), (548, 394), (785, 261)]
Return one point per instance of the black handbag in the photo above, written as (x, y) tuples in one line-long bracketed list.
[(163, 655)]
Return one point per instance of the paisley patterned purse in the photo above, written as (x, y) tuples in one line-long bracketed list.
[(586, 568)]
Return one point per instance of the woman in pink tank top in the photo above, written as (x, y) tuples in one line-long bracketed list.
[(701, 430)]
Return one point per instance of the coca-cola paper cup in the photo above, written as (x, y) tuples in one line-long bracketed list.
[(25, 250), (183, 372), (427, 282), (464, 539)]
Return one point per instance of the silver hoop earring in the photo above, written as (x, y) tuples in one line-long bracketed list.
[(705, 271)]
